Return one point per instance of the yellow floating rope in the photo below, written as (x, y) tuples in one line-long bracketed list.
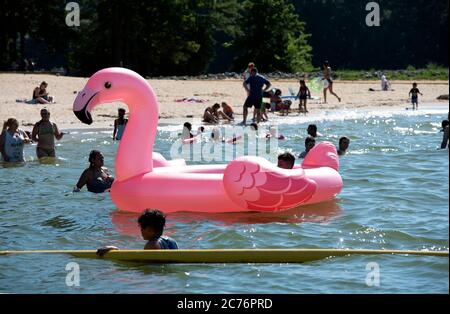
[(227, 255)]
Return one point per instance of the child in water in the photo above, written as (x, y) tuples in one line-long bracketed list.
[(152, 223), (119, 125), (414, 96)]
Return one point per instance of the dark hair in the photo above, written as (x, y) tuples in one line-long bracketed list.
[(121, 110), (202, 128), (254, 69), (302, 82), (445, 123), (414, 84), (288, 157), (187, 125), (309, 139), (312, 127), (277, 92), (154, 219), (92, 156), (43, 83), (216, 105), (343, 138)]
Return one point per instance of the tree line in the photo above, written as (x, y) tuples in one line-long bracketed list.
[(190, 37)]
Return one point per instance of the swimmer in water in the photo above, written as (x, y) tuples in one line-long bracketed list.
[(152, 223), (310, 142), (96, 177), (44, 133), (344, 142), (286, 161), (119, 125)]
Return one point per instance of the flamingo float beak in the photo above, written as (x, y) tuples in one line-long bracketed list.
[(82, 105)]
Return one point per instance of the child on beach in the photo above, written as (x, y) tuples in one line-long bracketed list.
[(152, 223), (228, 111), (119, 125), (286, 160), (303, 94), (414, 96)]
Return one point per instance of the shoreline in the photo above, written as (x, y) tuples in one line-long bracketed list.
[(355, 95)]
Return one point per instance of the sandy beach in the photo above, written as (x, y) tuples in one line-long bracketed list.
[(354, 94)]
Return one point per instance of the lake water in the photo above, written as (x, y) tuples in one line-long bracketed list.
[(395, 196)]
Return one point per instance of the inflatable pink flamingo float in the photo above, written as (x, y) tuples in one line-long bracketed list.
[(144, 179)]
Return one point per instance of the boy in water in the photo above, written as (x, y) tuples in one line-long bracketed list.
[(152, 223), (310, 142), (414, 96), (119, 125), (286, 160), (344, 142)]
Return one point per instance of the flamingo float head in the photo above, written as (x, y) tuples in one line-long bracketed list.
[(106, 86)]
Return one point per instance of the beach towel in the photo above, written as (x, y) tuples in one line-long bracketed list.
[(28, 102), (192, 100)]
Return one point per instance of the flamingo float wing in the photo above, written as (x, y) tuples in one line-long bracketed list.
[(256, 184)]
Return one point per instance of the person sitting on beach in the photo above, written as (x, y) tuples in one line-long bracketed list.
[(119, 125), (152, 223), (327, 77), (312, 131), (44, 133), (302, 95), (276, 102), (12, 140), (310, 142), (385, 84), (209, 117), (40, 94), (445, 139), (228, 111), (414, 93), (219, 113), (286, 160), (344, 142), (96, 178)]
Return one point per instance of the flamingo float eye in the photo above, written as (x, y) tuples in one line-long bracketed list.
[(108, 85)]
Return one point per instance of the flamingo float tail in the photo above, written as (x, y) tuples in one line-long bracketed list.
[(323, 154)]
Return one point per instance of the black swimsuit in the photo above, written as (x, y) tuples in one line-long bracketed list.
[(98, 185)]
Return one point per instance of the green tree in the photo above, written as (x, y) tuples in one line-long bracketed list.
[(272, 36)]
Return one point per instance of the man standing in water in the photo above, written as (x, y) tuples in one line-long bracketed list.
[(327, 77), (44, 133), (254, 87)]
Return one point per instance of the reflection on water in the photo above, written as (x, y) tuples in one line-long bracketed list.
[(394, 197)]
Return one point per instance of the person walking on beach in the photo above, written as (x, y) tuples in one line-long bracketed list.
[(96, 178), (302, 95), (40, 94), (119, 125), (12, 140), (327, 77), (152, 223), (254, 87), (414, 93), (44, 133)]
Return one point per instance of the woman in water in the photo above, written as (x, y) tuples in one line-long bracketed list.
[(12, 140), (96, 177), (119, 125)]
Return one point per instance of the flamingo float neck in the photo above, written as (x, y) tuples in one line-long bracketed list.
[(135, 152)]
